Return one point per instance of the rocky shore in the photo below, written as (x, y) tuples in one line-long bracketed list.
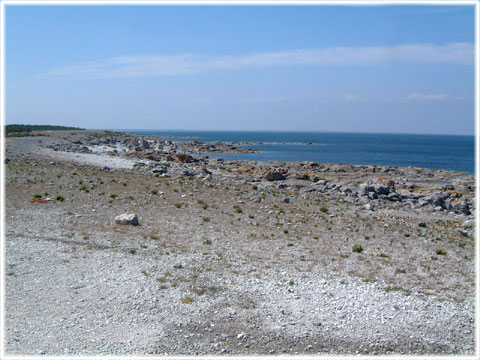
[(230, 257)]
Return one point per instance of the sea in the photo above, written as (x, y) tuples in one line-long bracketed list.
[(448, 152)]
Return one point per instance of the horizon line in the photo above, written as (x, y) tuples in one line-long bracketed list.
[(286, 131)]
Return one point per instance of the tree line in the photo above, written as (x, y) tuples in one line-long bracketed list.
[(17, 128)]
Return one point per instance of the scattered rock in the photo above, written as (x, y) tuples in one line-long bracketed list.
[(127, 219), (275, 176), (369, 207), (465, 232)]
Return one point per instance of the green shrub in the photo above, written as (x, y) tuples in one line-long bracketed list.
[(324, 209), (441, 252), (60, 198), (37, 196), (238, 209), (357, 248)]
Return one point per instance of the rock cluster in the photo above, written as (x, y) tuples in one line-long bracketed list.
[(354, 183)]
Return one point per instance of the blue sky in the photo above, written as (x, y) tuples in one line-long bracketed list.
[(392, 69)]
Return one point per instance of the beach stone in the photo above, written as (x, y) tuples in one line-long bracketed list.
[(435, 199), (462, 208), (127, 219), (369, 207), (464, 232), (159, 170), (469, 222), (394, 197), (376, 189), (275, 176)]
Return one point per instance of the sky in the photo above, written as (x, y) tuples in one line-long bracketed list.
[(380, 69)]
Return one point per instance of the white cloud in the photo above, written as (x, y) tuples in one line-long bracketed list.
[(352, 98), (436, 97), (186, 64)]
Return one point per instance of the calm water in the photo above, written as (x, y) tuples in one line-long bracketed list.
[(448, 152)]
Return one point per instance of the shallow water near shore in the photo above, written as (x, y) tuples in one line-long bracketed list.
[(448, 152)]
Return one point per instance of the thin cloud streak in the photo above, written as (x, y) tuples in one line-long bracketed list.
[(435, 97), (188, 64)]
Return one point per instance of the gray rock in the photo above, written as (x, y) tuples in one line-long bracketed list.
[(469, 223), (462, 207), (275, 176), (376, 189), (127, 219), (159, 170), (435, 199), (464, 232), (369, 207)]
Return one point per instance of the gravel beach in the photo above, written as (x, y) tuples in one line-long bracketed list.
[(230, 258)]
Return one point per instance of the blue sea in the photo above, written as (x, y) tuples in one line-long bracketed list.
[(449, 152)]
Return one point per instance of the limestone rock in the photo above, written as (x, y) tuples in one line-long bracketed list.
[(127, 219)]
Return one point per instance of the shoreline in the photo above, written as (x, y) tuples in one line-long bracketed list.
[(294, 149), (231, 257)]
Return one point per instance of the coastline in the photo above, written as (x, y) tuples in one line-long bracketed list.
[(279, 276)]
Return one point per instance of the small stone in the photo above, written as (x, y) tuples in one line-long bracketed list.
[(464, 232), (240, 336)]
